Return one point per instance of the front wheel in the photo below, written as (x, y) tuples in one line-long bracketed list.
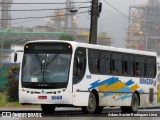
[(48, 108), (91, 108)]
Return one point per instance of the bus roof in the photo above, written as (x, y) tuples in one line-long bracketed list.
[(100, 47)]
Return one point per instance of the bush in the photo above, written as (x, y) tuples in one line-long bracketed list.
[(12, 91), (67, 37)]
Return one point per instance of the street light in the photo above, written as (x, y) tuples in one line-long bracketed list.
[(2, 44)]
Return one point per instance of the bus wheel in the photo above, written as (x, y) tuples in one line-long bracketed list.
[(90, 109), (134, 104), (48, 108)]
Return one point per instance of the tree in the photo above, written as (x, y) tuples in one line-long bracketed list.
[(67, 37), (12, 91)]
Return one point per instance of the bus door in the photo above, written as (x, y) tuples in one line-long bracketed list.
[(79, 65)]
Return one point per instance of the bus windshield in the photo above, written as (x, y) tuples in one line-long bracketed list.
[(43, 67)]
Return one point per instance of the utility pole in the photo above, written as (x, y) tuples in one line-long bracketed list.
[(94, 22)]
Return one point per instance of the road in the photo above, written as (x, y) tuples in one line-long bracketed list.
[(74, 114)]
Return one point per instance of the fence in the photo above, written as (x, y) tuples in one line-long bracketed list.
[(3, 77)]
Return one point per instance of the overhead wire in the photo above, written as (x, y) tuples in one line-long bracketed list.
[(116, 9), (120, 12), (36, 18), (83, 3), (57, 9), (42, 9), (40, 3)]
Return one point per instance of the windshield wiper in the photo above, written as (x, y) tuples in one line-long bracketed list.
[(37, 56), (52, 59)]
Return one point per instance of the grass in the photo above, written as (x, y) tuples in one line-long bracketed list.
[(158, 98), (5, 103)]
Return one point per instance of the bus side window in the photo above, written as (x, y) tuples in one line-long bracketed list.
[(137, 72), (76, 66), (105, 62), (117, 63), (125, 70), (150, 67), (79, 65), (140, 65), (94, 61), (128, 65)]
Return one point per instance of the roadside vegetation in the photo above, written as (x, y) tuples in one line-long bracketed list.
[(158, 99), (67, 37), (9, 95), (5, 103)]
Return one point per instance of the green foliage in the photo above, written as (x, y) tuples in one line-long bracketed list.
[(66, 37), (158, 98), (2, 99), (3, 78), (12, 91)]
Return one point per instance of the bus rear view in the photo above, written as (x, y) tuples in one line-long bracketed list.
[(44, 74)]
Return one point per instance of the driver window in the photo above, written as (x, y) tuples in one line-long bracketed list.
[(79, 65)]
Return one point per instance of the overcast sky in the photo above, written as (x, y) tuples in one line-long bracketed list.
[(110, 21)]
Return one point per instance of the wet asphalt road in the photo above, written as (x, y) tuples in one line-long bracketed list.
[(74, 114)]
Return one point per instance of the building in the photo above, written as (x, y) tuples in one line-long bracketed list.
[(144, 27)]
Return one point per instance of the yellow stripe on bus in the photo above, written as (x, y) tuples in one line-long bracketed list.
[(134, 87), (112, 87)]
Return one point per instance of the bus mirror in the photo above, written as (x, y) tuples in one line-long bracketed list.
[(15, 57)]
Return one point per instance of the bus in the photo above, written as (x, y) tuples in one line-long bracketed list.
[(158, 75), (56, 73)]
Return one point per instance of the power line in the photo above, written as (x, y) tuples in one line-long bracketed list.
[(44, 9), (37, 18), (124, 14), (82, 4), (42, 3), (116, 9), (25, 21), (121, 12)]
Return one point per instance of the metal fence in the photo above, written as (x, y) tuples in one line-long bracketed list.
[(3, 77)]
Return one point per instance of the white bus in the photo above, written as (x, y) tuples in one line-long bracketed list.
[(158, 75), (57, 73)]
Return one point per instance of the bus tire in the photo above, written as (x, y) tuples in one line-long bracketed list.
[(91, 108), (134, 105), (48, 108)]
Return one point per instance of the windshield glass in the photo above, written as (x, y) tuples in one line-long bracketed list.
[(50, 68), (46, 65)]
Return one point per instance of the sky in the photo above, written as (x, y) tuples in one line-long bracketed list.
[(110, 20)]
